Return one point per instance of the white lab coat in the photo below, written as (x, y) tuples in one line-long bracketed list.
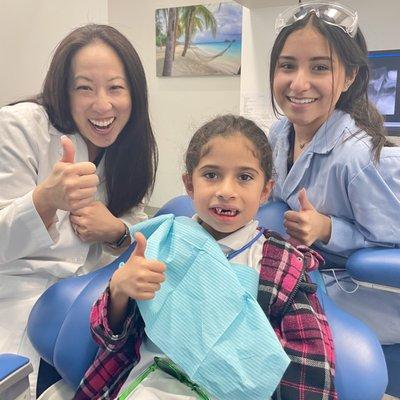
[(32, 258)]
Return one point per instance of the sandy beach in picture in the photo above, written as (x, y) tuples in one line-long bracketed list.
[(197, 62)]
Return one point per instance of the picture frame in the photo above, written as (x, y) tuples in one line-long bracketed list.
[(199, 40)]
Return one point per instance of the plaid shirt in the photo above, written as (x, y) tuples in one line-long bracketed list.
[(283, 294), (287, 296)]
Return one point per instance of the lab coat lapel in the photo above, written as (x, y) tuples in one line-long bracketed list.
[(295, 178), (289, 182)]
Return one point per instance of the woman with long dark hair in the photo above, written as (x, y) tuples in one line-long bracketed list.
[(335, 167), (76, 163)]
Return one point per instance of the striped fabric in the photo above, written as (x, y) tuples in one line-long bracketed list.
[(285, 295)]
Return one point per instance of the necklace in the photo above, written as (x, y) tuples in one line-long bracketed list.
[(301, 145)]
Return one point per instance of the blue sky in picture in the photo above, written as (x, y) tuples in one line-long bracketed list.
[(229, 20)]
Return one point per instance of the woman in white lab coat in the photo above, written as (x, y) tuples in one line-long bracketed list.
[(76, 163)]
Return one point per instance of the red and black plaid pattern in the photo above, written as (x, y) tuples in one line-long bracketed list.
[(117, 355), (287, 297)]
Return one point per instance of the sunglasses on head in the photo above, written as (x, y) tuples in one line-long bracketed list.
[(331, 13)]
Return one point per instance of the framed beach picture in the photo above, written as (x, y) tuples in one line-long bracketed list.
[(199, 40)]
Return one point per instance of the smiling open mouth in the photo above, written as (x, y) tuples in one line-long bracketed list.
[(301, 101), (102, 124), (225, 211)]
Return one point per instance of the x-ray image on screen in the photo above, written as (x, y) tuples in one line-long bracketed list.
[(384, 86), (382, 89)]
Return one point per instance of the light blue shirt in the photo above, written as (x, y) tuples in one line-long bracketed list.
[(342, 181)]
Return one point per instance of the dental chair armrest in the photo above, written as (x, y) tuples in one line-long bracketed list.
[(376, 267), (14, 371), (10, 363)]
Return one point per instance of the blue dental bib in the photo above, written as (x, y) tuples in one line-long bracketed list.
[(205, 317)]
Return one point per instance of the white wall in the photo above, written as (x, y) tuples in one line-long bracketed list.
[(379, 21), (257, 41), (29, 31), (177, 105)]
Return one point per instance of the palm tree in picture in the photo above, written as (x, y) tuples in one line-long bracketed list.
[(170, 41), (161, 26), (179, 28), (196, 18)]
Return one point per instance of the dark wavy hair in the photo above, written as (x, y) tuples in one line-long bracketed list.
[(131, 161), (225, 126), (353, 54)]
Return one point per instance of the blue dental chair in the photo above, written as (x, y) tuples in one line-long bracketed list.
[(380, 268), (59, 323)]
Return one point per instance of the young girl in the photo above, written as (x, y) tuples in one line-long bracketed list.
[(335, 167), (228, 176)]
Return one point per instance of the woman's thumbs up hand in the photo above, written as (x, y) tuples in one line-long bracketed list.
[(70, 186), (307, 225)]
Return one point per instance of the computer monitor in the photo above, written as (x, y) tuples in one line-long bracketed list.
[(384, 87)]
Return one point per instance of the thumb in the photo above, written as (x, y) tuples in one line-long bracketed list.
[(141, 244), (304, 202), (68, 149)]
